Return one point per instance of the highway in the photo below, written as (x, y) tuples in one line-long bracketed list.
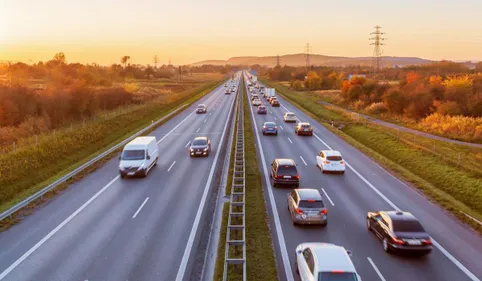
[(365, 186), (107, 228)]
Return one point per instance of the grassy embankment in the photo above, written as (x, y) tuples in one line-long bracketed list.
[(438, 173), (29, 169), (259, 252)]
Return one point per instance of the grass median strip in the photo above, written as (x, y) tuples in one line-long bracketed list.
[(457, 189), (27, 171), (259, 246)]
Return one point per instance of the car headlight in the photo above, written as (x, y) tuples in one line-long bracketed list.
[(121, 167), (206, 149)]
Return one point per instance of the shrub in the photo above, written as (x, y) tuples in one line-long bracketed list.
[(376, 108)]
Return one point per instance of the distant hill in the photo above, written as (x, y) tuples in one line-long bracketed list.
[(299, 60)]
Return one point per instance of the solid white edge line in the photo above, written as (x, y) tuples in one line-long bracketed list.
[(326, 195), (195, 226), (279, 230), (474, 219), (290, 140), (172, 165), (376, 269), (435, 243), (189, 142), (140, 208), (303, 160), (55, 230), (74, 214)]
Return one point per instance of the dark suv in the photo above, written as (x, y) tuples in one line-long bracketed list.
[(399, 231), (284, 172)]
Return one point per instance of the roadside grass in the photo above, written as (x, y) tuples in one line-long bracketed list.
[(457, 188), (259, 248), (28, 170), (219, 270)]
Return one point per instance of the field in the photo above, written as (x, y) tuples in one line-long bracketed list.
[(447, 173)]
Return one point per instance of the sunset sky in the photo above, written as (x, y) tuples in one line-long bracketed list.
[(186, 31)]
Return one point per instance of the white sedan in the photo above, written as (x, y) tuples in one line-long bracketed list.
[(256, 102), (330, 161)]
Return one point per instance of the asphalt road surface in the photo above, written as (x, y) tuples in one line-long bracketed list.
[(107, 228), (457, 254)]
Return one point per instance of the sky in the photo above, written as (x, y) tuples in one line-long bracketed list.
[(186, 31)]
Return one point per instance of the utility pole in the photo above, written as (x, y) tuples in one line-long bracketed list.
[(156, 60), (278, 61), (307, 56), (377, 50)]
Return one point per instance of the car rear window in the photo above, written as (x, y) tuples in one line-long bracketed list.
[(290, 114), (335, 276), (334, 158), (305, 126), (287, 170), (407, 226), (311, 204)]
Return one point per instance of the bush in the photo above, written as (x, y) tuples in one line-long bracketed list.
[(458, 127), (376, 108)]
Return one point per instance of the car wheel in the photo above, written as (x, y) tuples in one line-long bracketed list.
[(296, 267), (294, 223), (369, 227), (386, 247), (145, 173), (342, 172), (276, 133), (155, 163), (322, 171), (122, 176)]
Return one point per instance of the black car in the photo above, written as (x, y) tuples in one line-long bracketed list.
[(284, 172), (399, 231), (200, 146)]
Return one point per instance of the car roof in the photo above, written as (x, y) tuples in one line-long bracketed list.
[(289, 112), (399, 216), (331, 152), (269, 123), (328, 257), (285, 161), (309, 194), (304, 124), (201, 138), (201, 104)]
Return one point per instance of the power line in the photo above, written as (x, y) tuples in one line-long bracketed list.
[(307, 56), (377, 50)]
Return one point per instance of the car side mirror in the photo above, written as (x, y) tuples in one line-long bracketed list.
[(120, 157), (350, 253), (148, 157), (299, 252)]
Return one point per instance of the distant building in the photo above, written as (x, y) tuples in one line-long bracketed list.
[(350, 76)]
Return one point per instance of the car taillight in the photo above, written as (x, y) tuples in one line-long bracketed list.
[(326, 162), (276, 127), (324, 212), (298, 211), (427, 241), (398, 241), (279, 176), (342, 162), (295, 177)]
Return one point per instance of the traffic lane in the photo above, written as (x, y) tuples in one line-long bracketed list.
[(455, 237), (13, 249), (354, 203)]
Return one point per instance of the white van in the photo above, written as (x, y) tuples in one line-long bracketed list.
[(138, 157)]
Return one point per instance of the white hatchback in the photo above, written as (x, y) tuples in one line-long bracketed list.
[(289, 117), (324, 261), (330, 161), (257, 102)]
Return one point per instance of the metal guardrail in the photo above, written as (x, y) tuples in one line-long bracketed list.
[(17, 207), (235, 250)]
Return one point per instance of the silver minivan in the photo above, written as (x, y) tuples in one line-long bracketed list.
[(307, 207)]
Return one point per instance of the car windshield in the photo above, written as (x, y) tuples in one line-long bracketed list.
[(311, 204), (269, 125), (287, 170), (334, 158), (133, 154), (262, 108), (407, 226), (200, 106), (337, 276), (290, 115), (199, 142)]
